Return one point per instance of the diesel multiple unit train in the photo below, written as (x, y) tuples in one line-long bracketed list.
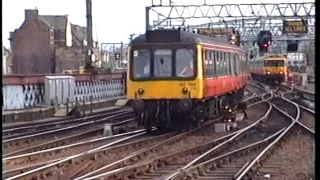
[(269, 68), (177, 78)]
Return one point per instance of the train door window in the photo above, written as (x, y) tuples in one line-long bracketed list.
[(235, 64), (226, 70), (185, 62), (236, 59), (232, 70), (227, 56), (230, 64), (241, 63), (208, 54), (221, 64), (210, 64), (246, 63), (141, 63), (217, 63), (162, 63), (204, 62), (225, 63), (222, 73), (214, 63)]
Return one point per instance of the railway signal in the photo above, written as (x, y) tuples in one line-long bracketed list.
[(264, 41), (292, 46), (234, 38), (116, 56)]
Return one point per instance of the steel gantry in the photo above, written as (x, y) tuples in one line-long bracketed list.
[(249, 19)]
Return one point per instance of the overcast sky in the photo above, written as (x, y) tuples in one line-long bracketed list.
[(113, 20)]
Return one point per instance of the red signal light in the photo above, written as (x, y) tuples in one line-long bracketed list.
[(265, 45)]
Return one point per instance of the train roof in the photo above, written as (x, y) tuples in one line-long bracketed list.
[(177, 36), (269, 57)]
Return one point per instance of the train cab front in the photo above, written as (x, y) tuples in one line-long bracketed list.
[(162, 82), (275, 76), (275, 70)]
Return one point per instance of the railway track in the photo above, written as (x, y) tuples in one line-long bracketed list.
[(291, 158), (248, 93), (306, 109), (168, 164), (267, 96), (309, 96), (48, 169), (285, 105), (227, 165), (307, 119), (22, 142), (9, 133), (239, 164), (91, 163), (256, 89), (38, 157), (304, 103), (51, 169), (176, 145), (288, 157)]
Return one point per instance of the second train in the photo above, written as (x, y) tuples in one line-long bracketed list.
[(269, 68)]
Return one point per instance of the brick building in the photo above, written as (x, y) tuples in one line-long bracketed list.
[(34, 44), (6, 60)]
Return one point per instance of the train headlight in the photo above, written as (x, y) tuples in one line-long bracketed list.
[(281, 72), (268, 72), (184, 90), (185, 104), (140, 91), (137, 105)]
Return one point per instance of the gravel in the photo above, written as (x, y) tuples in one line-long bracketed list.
[(307, 119), (255, 89), (207, 134), (254, 113), (285, 106), (294, 160)]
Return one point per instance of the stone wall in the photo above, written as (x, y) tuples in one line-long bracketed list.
[(71, 58), (31, 48)]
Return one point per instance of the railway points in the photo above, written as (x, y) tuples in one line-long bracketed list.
[(97, 168), (43, 137)]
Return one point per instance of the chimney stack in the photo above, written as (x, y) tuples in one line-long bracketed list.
[(31, 14)]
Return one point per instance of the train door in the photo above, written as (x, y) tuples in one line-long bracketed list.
[(203, 59)]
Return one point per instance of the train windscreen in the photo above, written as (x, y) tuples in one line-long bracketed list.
[(274, 63), (163, 63)]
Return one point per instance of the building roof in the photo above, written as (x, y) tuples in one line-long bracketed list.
[(56, 22), (6, 49), (79, 32), (60, 23)]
